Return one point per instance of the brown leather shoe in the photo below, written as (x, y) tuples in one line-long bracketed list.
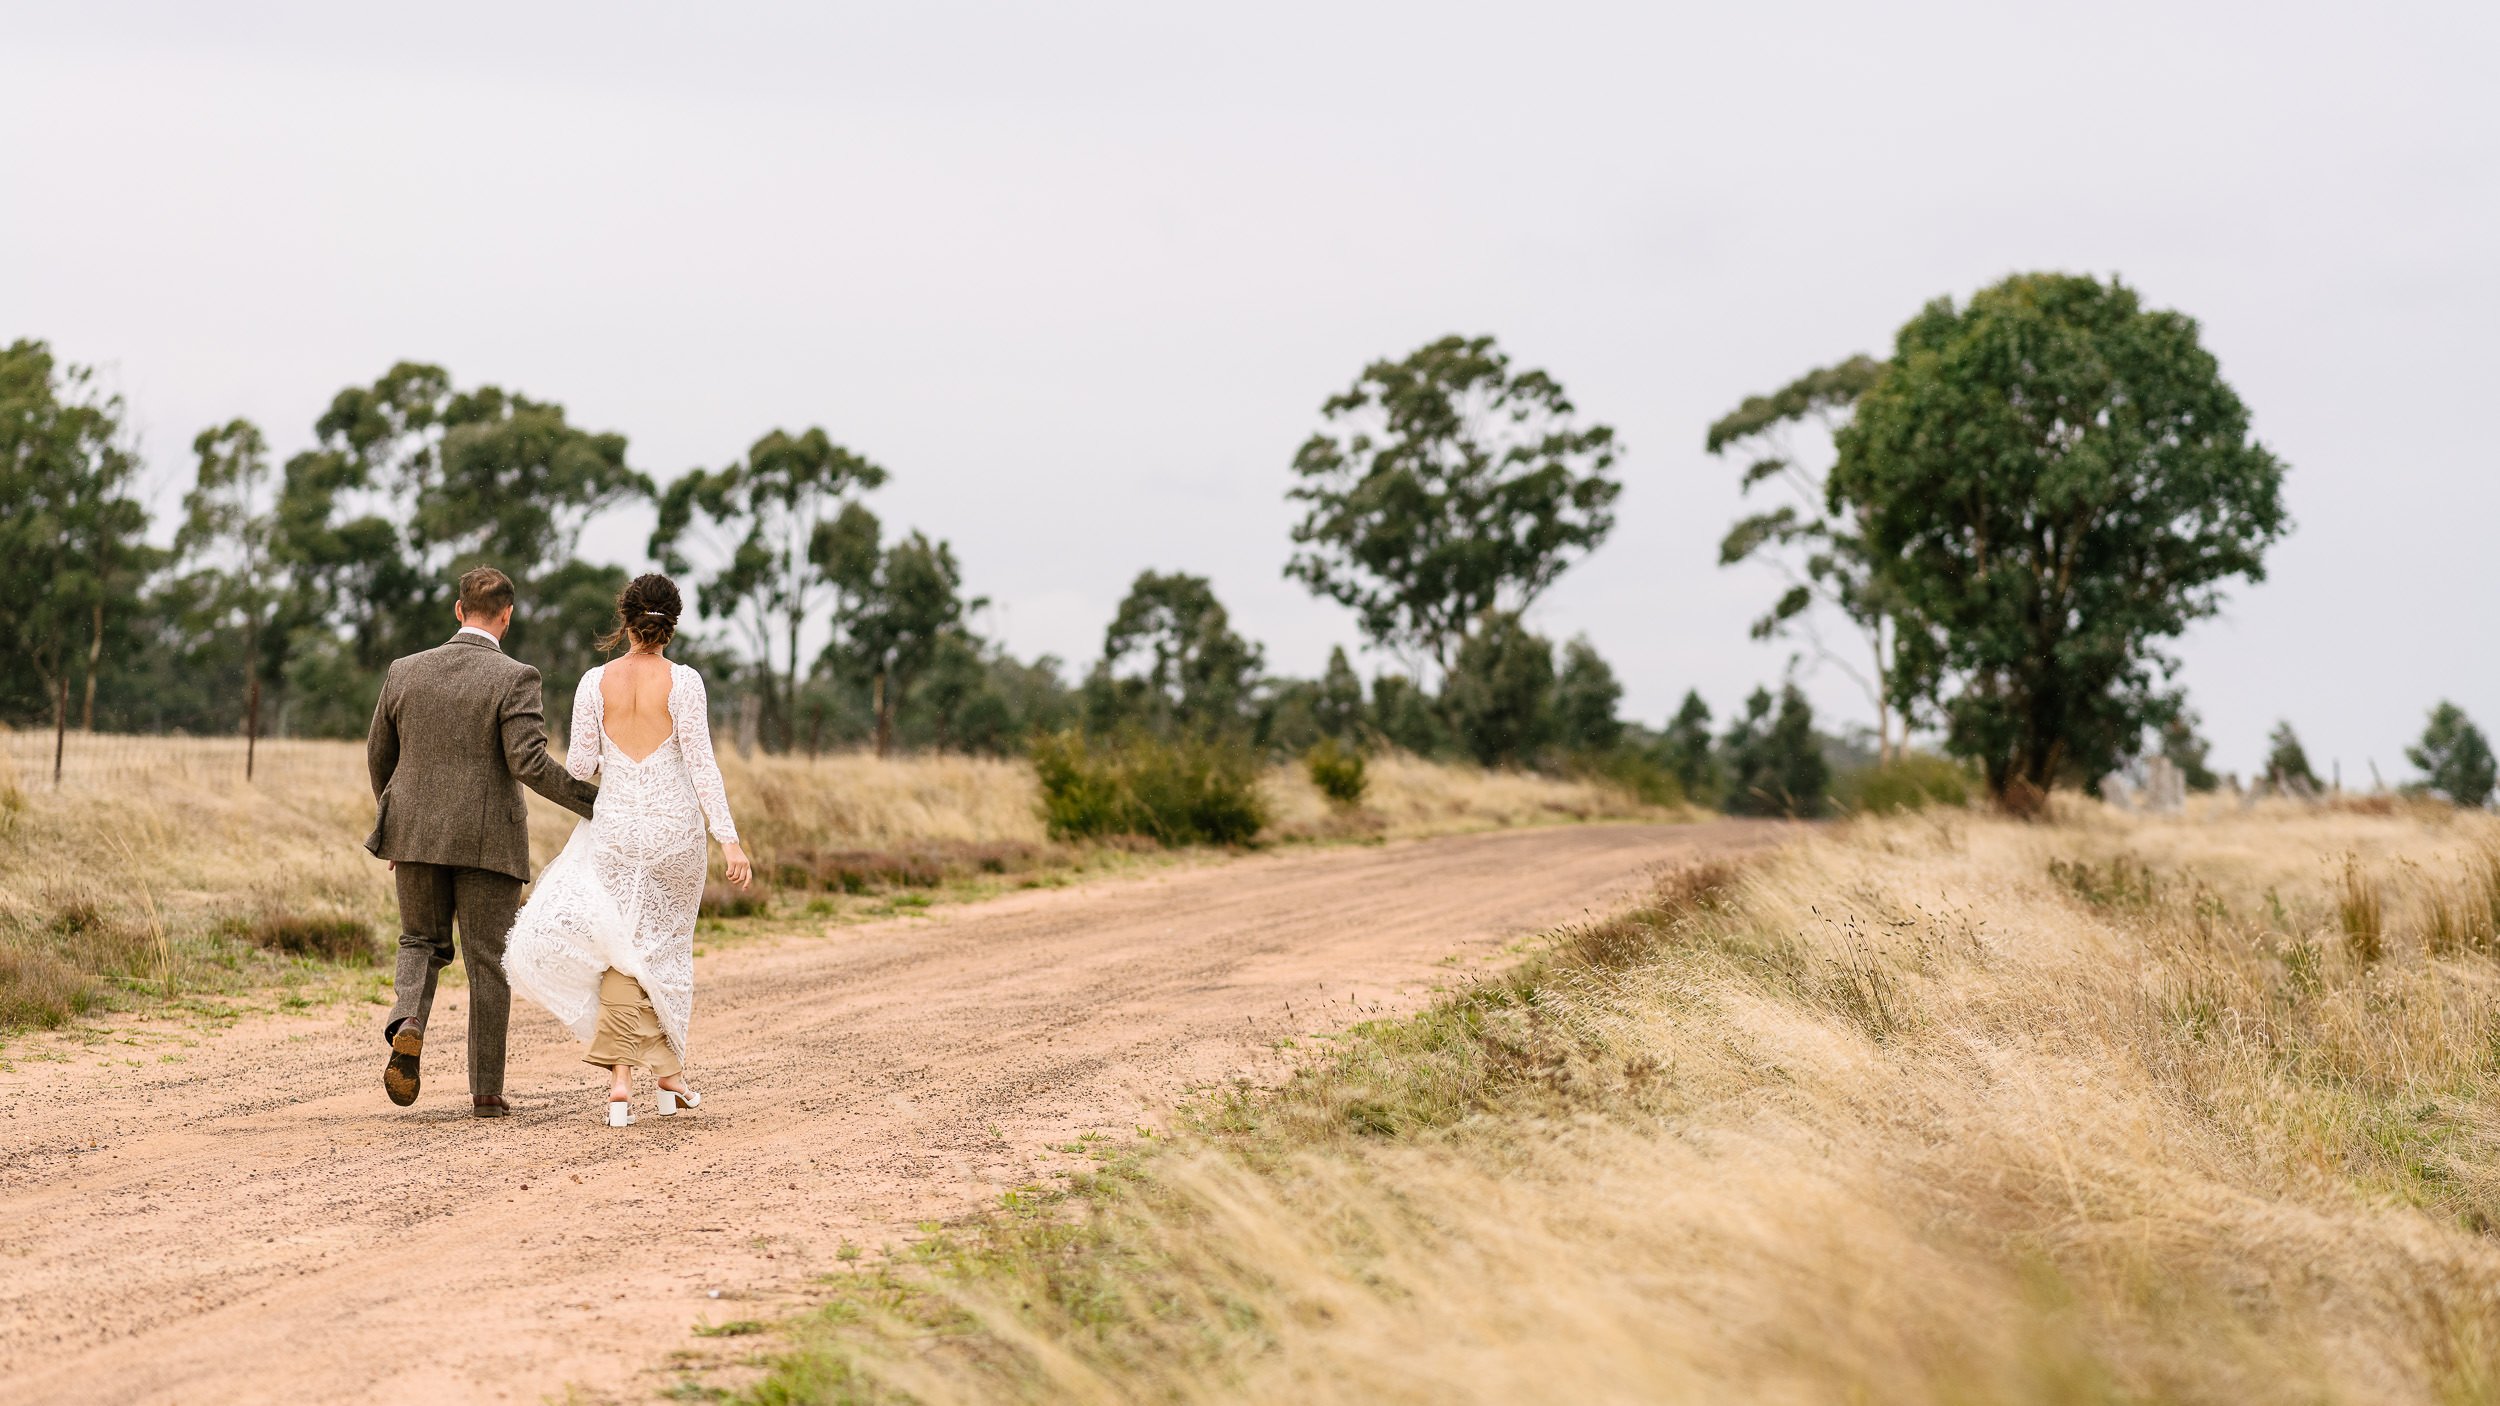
[(399, 1077), (489, 1106)]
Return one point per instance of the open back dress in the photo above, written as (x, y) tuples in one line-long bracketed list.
[(624, 892)]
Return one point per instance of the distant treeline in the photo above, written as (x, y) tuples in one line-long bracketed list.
[(1995, 532)]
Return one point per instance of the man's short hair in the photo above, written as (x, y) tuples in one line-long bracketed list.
[(484, 593)]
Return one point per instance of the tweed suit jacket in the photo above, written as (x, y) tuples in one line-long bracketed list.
[(459, 730)]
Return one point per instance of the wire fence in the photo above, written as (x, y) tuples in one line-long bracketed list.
[(123, 761)]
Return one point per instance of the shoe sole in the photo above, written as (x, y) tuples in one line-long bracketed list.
[(399, 1077)]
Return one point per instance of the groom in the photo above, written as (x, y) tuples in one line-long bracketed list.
[(458, 732)]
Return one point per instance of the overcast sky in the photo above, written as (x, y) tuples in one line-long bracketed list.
[(1081, 275)]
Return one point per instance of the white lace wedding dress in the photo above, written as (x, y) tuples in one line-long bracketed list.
[(623, 893)]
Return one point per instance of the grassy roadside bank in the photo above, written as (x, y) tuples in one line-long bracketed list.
[(1917, 1110), (174, 886)]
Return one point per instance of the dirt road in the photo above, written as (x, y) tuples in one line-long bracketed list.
[(247, 1219)]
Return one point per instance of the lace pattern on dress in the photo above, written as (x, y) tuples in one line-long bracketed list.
[(625, 891)]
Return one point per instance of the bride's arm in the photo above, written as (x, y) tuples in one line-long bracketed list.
[(690, 713), (581, 752)]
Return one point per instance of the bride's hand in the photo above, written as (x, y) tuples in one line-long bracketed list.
[(734, 860)]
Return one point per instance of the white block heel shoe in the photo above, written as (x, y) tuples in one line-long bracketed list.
[(671, 1100), (621, 1113)]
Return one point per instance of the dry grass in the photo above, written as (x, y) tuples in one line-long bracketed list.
[(1902, 1115), (162, 838), (1408, 797)]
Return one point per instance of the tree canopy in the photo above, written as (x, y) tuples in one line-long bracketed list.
[(1192, 671), (775, 523), (2455, 757), (1501, 691), (2054, 480), (1815, 539), (1773, 760), (902, 608), (1445, 485), (70, 532)]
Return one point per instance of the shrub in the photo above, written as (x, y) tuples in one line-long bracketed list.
[(722, 900), (99, 942), (1174, 793), (1639, 773), (39, 989), (1337, 770), (920, 866), (334, 937), (2359, 910), (1913, 781)]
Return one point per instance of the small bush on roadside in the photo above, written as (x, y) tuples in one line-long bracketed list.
[(1635, 772), (721, 900), (1174, 793), (39, 990), (101, 942), (925, 866), (332, 937), (1913, 781), (1337, 770)]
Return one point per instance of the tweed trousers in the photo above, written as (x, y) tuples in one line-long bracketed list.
[(432, 899)]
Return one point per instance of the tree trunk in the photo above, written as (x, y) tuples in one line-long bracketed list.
[(60, 727), (95, 657), (251, 701), (885, 713), (790, 692), (251, 725)]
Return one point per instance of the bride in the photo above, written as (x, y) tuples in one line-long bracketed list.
[(606, 940)]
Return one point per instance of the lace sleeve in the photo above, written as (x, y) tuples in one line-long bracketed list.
[(690, 713), (581, 753)]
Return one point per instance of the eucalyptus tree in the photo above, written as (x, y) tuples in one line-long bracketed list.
[(1196, 673), (1500, 696), (2455, 757), (1586, 694), (1816, 540), (1444, 485), (228, 538), (774, 526), (2053, 481), (1774, 761), (1684, 747), (2287, 762), (70, 533), (903, 609), (416, 474)]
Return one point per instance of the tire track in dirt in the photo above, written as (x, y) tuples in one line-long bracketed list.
[(256, 1223)]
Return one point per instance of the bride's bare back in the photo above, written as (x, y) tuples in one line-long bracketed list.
[(633, 697)]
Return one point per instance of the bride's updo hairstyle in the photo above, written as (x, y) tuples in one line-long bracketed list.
[(646, 614)]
